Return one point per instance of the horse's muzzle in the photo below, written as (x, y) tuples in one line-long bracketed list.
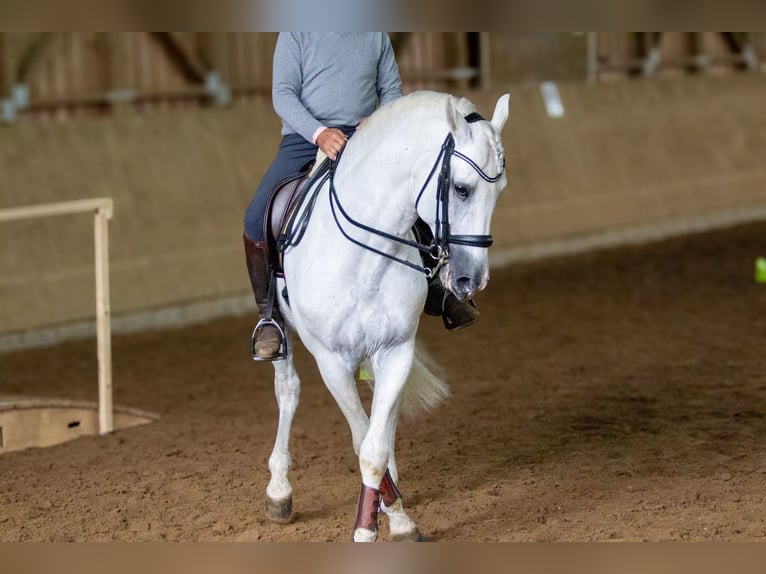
[(465, 286)]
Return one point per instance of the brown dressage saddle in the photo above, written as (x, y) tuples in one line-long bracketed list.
[(279, 232), (286, 199)]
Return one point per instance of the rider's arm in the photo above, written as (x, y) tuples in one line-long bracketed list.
[(286, 89), (389, 83)]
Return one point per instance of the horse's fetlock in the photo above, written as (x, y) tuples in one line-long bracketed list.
[(280, 463)]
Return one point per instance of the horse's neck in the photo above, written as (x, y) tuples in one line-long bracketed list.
[(377, 181), (380, 187)]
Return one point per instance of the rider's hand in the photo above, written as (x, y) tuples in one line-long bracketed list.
[(331, 141)]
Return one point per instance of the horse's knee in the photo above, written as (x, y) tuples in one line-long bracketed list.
[(373, 461)]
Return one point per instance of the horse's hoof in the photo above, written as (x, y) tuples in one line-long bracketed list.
[(413, 536), (280, 511), (365, 535)]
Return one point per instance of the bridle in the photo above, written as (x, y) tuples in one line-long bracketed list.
[(438, 249)]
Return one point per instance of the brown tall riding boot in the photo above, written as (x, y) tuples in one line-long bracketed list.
[(454, 312), (268, 339), (440, 301)]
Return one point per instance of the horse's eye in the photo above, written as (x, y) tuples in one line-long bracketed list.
[(462, 191)]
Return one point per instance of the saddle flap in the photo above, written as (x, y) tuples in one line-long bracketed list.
[(283, 197), (286, 199)]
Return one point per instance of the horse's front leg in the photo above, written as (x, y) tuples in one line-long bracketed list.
[(391, 368), (287, 386), (402, 527)]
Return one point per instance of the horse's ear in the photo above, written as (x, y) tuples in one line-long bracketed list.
[(456, 122), (501, 113)]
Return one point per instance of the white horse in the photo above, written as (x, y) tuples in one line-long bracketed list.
[(356, 294)]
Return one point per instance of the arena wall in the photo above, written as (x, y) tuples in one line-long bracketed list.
[(628, 161)]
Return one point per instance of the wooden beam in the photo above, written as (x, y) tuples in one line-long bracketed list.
[(701, 56), (592, 57), (461, 56), (33, 56), (733, 42), (214, 53), (399, 40), (7, 66), (116, 81), (190, 64), (103, 210), (104, 204), (740, 44), (485, 60)]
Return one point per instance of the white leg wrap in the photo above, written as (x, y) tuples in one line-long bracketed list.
[(364, 535)]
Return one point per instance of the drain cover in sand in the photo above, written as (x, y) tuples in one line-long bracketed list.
[(28, 422)]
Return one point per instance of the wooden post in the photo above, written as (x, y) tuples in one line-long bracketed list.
[(399, 41), (7, 70), (183, 55), (113, 71), (215, 53), (592, 56), (460, 61), (701, 57), (103, 321), (31, 59), (485, 48)]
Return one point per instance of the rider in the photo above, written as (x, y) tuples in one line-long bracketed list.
[(324, 86)]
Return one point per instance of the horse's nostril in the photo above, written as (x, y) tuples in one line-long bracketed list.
[(464, 284)]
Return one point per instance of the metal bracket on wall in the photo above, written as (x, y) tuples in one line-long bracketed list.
[(750, 57), (18, 100), (116, 97), (653, 58), (217, 89), (744, 42), (7, 111)]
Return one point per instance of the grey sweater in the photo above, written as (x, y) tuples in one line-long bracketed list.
[(332, 78)]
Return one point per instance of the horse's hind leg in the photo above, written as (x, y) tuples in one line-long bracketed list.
[(287, 386), (338, 377)]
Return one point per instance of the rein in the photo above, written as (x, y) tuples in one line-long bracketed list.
[(438, 249)]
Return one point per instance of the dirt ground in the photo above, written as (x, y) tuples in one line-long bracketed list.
[(612, 396)]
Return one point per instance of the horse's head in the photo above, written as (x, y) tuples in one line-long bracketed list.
[(477, 176)]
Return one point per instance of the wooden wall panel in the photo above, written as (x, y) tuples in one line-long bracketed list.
[(625, 156)]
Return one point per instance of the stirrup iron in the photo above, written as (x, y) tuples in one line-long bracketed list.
[(282, 354)]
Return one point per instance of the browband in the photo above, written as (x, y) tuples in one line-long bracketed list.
[(474, 117)]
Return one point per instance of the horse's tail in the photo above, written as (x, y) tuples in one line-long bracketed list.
[(424, 390)]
